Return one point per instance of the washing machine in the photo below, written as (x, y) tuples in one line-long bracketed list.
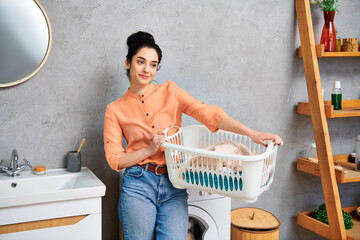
[(209, 216)]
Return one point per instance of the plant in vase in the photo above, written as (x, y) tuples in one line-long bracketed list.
[(328, 35)]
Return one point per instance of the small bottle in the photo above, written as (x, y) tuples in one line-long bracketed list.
[(336, 96), (338, 42), (312, 153), (357, 160), (352, 157)]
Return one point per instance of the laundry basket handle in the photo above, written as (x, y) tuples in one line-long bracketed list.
[(271, 145), (166, 130)]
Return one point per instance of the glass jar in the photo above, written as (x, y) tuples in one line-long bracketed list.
[(357, 160), (312, 153)]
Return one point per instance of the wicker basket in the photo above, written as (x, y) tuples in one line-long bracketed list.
[(350, 45)]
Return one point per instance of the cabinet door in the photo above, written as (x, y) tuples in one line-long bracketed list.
[(88, 228)]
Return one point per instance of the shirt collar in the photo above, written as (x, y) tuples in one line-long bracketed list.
[(135, 95)]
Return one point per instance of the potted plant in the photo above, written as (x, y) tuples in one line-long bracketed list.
[(328, 35)]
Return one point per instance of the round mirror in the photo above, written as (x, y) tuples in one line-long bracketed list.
[(25, 40)]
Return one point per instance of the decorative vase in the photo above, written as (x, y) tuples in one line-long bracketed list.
[(328, 36)]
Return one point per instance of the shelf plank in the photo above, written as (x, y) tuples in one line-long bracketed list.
[(320, 53), (346, 175), (354, 233), (305, 220), (350, 108), (341, 54), (311, 167)]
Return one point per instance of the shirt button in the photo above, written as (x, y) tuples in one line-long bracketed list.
[(142, 101)]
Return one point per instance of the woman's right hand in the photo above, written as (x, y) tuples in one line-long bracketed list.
[(155, 144), (131, 158)]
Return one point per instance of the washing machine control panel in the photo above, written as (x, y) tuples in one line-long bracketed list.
[(196, 195)]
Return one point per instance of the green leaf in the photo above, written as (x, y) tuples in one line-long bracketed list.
[(327, 5)]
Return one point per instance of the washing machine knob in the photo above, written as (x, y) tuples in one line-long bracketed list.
[(200, 193)]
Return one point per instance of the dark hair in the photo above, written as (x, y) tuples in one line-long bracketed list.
[(137, 41)]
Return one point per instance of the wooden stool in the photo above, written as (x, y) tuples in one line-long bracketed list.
[(253, 224)]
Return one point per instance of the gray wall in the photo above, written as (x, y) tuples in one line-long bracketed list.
[(240, 55)]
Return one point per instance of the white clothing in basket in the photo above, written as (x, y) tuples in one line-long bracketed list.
[(223, 147)]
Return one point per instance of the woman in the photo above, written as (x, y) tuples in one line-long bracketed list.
[(149, 206)]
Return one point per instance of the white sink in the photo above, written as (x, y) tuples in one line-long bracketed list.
[(45, 206), (55, 185)]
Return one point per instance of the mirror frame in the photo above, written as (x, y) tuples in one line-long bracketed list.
[(16, 82)]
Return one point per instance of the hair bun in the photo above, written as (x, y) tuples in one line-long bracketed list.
[(140, 37)]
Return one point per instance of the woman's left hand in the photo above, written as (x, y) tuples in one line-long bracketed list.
[(231, 125), (260, 137)]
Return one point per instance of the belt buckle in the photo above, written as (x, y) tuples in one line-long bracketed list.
[(156, 168)]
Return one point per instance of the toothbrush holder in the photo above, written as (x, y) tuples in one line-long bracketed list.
[(73, 161)]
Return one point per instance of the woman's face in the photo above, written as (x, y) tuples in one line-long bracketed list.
[(143, 66)]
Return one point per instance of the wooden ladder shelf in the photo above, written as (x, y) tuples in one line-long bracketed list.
[(310, 52)]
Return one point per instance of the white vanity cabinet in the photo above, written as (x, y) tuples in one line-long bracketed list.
[(70, 211)]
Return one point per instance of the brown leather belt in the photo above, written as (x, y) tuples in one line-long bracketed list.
[(157, 169)]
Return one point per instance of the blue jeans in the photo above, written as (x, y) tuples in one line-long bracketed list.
[(151, 208)]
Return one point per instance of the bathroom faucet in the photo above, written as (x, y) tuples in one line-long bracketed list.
[(14, 169)]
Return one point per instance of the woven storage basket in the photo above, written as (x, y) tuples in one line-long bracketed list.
[(235, 176), (350, 45), (254, 224)]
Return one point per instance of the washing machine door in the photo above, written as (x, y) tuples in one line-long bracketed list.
[(201, 225)]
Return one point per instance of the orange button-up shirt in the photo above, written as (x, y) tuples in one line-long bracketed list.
[(140, 117)]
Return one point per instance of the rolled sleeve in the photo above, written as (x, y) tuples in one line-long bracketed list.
[(112, 139), (209, 115)]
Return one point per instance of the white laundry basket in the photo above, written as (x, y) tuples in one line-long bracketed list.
[(236, 176)]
